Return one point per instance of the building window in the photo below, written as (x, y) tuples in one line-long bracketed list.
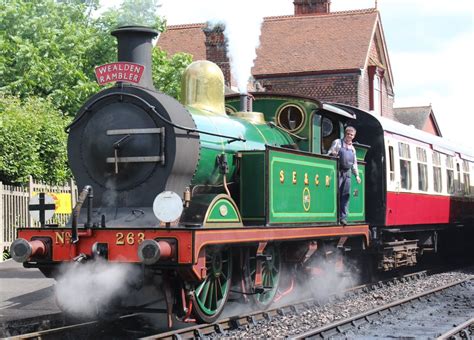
[(450, 174), (377, 96), (375, 89), (466, 178), (438, 184), (422, 169), (405, 165)]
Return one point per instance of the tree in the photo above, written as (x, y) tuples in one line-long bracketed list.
[(48, 52), (167, 71), (32, 141), (50, 48)]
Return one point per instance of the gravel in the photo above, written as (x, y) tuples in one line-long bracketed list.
[(290, 324)]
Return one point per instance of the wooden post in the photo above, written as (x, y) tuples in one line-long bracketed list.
[(30, 194)]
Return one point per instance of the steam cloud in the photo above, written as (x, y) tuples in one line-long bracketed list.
[(85, 290), (242, 20), (242, 30)]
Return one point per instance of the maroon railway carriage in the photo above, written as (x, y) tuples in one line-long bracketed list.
[(419, 187)]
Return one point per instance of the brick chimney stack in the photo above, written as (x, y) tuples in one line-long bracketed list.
[(303, 7), (216, 50)]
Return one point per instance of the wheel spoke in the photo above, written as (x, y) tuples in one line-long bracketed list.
[(208, 301), (204, 290), (216, 299), (219, 289)]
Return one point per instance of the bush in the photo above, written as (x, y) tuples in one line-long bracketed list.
[(32, 141)]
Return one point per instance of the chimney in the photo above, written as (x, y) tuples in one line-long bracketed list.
[(303, 7), (135, 46), (246, 102), (216, 49)]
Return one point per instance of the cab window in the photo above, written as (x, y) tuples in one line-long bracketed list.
[(330, 130)]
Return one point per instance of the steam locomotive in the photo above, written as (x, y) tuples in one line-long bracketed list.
[(216, 192)]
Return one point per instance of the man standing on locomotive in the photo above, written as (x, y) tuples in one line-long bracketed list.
[(345, 151)]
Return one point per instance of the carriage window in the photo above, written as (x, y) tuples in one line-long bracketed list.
[(467, 180), (422, 169), (459, 177), (405, 165), (391, 164), (438, 185), (450, 174)]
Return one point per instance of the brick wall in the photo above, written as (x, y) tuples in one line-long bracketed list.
[(364, 94), (340, 88)]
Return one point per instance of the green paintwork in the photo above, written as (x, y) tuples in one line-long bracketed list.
[(222, 212), (316, 136), (357, 200), (252, 186), (269, 106), (361, 151), (299, 202), (288, 202), (256, 135)]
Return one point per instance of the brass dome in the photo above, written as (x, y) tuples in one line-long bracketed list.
[(202, 87)]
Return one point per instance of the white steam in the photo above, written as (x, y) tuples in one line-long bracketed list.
[(85, 290), (242, 32), (242, 19), (324, 280)]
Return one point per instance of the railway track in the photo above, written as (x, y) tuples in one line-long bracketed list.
[(352, 325), (235, 326), (463, 331), (251, 325)]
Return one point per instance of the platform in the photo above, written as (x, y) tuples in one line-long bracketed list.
[(25, 294)]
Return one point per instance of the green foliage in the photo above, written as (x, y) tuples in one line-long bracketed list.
[(167, 71), (48, 50), (141, 13), (32, 141)]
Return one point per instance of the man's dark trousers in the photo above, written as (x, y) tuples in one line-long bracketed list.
[(344, 192)]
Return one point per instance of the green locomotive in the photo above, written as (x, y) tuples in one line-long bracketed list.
[(202, 194)]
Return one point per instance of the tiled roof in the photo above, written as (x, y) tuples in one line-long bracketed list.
[(416, 115), (294, 44), (184, 38)]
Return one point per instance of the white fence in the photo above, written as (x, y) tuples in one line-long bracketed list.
[(14, 207)]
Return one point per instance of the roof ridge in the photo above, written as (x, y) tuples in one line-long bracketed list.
[(412, 107), (288, 16), (193, 25), (324, 15)]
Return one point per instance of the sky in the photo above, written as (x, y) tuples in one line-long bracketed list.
[(430, 45)]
